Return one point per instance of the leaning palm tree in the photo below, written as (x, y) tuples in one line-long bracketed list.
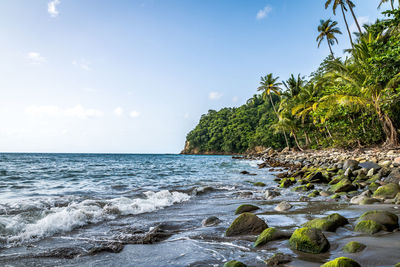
[(351, 6), (385, 1), (343, 7), (327, 30), (270, 85)]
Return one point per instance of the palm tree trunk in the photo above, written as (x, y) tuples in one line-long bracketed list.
[(354, 16), (347, 25), (276, 113), (330, 48), (392, 4), (297, 143), (388, 127)]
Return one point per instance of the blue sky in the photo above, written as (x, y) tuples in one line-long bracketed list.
[(136, 75)]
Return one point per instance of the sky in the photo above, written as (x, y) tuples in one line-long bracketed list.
[(134, 76)]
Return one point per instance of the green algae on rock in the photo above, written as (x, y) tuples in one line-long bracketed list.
[(368, 227), (246, 224), (329, 223), (341, 262), (387, 191), (309, 240), (388, 220), (260, 184), (344, 185), (246, 208), (354, 247), (234, 264), (270, 234)]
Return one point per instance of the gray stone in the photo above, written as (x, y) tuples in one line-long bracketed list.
[(394, 176), (283, 206), (370, 165), (371, 172), (350, 163)]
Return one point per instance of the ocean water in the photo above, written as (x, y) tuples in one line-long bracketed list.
[(43, 195)]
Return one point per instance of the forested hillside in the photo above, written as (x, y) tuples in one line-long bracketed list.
[(347, 102)]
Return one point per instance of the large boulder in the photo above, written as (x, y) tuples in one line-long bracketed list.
[(345, 185), (350, 163), (270, 234), (394, 176), (354, 247), (368, 165), (246, 224), (387, 191), (368, 227), (341, 262), (329, 223), (387, 219), (309, 240), (246, 208)]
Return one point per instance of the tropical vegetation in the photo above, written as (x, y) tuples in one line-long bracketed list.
[(349, 101)]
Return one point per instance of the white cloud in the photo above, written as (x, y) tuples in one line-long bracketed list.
[(82, 64), (118, 111), (263, 13), (77, 111), (235, 99), (35, 58), (214, 95), (361, 21), (134, 114), (52, 8)]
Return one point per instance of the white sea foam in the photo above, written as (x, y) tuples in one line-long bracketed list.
[(64, 219)]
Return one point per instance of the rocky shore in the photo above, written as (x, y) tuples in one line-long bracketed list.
[(364, 177)]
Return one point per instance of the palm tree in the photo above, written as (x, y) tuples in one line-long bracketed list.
[(342, 5), (327, 30), (270, 85), (385, 1), (351, 5), (293, 85)]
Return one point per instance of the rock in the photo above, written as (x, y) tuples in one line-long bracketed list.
[(246, 224), (234, 264), (270, 234), (283, 206), (246, 194), (369, 201), (245, 208), (260, 184), (324, 193), (304, 188), (114, 247), (389, 220), (348, 173), (278, 259), (341, 262), (385, 164), (247, 173), (314, 193), (396, 162), (387, 191), (286, 182), (344, 185), (394, 176), (317, 177), (354, 247), (371, 172), (309, 240), (352, 164), (210, 221), (370, 165), (368, 227), (329, 223), (270, 194)]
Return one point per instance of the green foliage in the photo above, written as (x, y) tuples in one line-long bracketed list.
[(345, 103)]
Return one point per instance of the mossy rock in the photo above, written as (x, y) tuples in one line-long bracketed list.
[(309, 240), (246, 208), (368, 201), (354, 247), (270, 234), (234, 264), (373, 186), (335, 196), (304, 188), (278, 259), (329, 223), (285, 183), (319, 176), (341, 262), (369, 227), (389, 220), (246, 224), (387, 191), (344, 185), (314, 193), (336, 179), (373, 179), (260, 184), (397, 265)]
